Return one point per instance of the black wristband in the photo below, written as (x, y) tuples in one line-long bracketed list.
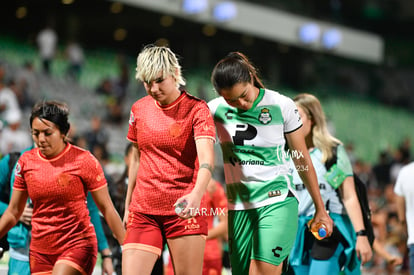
[(106, 256), (362, 232)]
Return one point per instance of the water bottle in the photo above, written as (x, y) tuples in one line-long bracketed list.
[(320, 232), (180, 207)]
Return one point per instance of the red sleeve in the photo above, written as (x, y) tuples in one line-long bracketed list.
[(132, 129), (92, 173), (203, 122), (19, 182)]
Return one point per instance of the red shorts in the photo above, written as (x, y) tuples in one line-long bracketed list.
[(82, 257), (147, 232)]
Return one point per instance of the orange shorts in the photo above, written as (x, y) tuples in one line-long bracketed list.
[(148, 232), (82, 257)]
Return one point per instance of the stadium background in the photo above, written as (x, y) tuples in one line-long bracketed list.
[(370, 104)]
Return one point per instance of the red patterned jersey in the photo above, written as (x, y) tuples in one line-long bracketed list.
[(58, 189), (216, 202), (168, 158)]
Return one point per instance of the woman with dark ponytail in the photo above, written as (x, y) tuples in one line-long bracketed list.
[(253, 126), (57, 176)]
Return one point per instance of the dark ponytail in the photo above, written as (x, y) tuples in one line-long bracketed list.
[(233, 69)]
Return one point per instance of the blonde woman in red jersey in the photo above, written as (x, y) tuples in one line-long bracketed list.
[(57, 176), (173, 135)]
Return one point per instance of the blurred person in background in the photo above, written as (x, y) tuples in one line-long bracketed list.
[(75, 57), (108, 89), (118, 191), (47, 40), (121, 83), (9, 104), (173, 138), (28, 85), (348, 247), (216, 202), (381, 170), (1, 130), (402, 157), (96, 134), (55, 172), (216, 212), (13, 137), (392, 259), (253, 124), (404, 189)]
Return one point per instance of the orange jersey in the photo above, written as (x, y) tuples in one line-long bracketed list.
[(216, 202), (168, 157), (58, 189)]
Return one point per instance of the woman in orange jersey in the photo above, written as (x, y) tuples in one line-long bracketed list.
[(173, 155), (57, 176)]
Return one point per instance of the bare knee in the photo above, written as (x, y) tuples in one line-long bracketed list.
[(136, 261), (264, 268)]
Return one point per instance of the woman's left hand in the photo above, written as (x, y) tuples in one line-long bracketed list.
[(107, 266), (363, 249), (191, 204), (322, 217)]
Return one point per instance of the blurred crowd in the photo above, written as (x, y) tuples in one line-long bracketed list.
[(380, 179)]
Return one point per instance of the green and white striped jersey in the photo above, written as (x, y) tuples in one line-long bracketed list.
[(256, 165)]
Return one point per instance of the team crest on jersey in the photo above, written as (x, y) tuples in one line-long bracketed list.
[(265, 117), (175, 130), (63, 180), (131, 118), (18, 170)]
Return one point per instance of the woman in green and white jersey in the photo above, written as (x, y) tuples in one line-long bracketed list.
[(253, 124)]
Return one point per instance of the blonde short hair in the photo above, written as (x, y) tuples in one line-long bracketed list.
[(153, 60)]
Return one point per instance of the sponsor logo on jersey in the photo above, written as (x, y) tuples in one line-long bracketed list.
[(131, 118), (244, 132), (265, 117), (275, 250), (274, 193), (235, 160), (300, 187), (297, 113), (18, 170), (229, 114), (192, 224), (245, 151)]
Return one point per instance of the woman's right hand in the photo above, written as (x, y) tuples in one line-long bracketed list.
[(26, 217), (125, 220)]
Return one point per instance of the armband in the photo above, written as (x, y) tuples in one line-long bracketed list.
[(106, 256), (206, 166), (362, 232), (335, 176)]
